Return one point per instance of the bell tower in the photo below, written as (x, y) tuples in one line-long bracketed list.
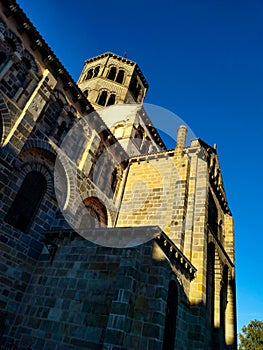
[(110, 79)]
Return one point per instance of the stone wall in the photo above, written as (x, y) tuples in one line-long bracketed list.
[(93, 297)]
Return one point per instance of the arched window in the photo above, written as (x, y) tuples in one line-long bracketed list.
[(212, 214), (111, 100), (114, 180), (133, 85), (49, 117), (171, 314), (27, 201), (120, 76), (86, 92), (89, 74), (94, 215), (220, 230), (112, 73), (102, 98), (138, 137), (96, 71)]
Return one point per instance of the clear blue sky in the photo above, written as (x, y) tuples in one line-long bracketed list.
[(203, 60)]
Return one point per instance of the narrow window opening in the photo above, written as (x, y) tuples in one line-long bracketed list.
[(89, 74), (137, 91), (212, 214), (111, 100), (138, 137), (96, 71), (102, 98), (171, 314), (27, 201), (133, 85), (112, 73), (120, 76), (114, 180), (220, 230)]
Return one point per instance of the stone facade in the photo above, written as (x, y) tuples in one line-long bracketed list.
[(109, 241)]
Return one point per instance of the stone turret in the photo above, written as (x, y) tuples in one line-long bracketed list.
[(110, 79), (181, 136)]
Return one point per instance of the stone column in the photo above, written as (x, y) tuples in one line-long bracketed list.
[(218, 277), (230, 318), (229, 236)]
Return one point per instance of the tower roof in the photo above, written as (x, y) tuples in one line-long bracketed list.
[(124, 60)]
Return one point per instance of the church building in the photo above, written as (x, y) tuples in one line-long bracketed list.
[(108, 240)]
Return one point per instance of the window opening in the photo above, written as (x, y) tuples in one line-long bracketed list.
[(27, 201)]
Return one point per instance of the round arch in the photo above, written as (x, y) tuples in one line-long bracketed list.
[(94, 214), (29, 58), (14, 39), (42, 145), (35, 166)]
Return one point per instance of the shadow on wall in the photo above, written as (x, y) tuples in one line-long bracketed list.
[(94, 297)]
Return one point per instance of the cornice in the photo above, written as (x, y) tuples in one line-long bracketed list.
[(24, 25), (124, 60)]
